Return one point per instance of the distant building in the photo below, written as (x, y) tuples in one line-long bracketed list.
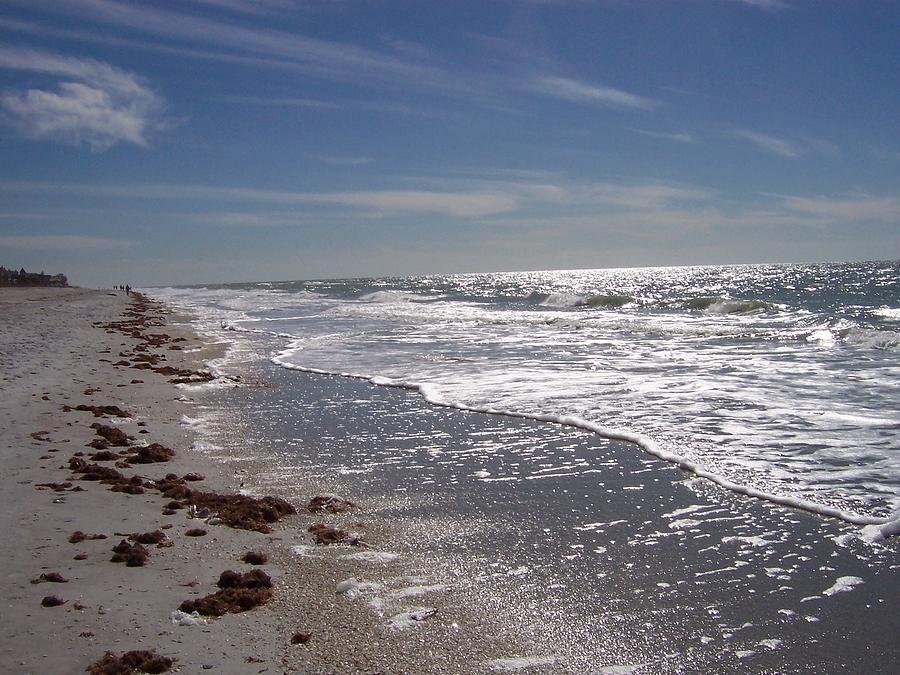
[(23, 278)]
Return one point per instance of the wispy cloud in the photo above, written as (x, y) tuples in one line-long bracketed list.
[(790, 148), (853, 208), (582, 92), (640, 197), (284, 102), (93, 102), (666, 136), (770, 5), (460, 204), (316, 56), (772, 144), (242, 219), (248, 6), (62, 243), (336, 160)]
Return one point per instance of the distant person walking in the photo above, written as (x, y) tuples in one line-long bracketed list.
[(127, 289)]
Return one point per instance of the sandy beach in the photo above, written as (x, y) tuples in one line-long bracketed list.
[(66, 604)]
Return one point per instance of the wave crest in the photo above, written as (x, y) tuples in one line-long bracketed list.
[(610, 301), (716, 304)]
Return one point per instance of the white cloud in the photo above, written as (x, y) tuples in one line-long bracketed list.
[(323, 57), (65, 243), (460, 205), (764, 4), (285, 102), (581, 92), (641, 197), (790, 148), (849, 209), (248, 219), (773, 144), (93, 102), (679, 137), (335, 160), (248, 6)]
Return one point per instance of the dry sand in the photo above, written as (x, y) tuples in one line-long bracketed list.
[(56, 350)]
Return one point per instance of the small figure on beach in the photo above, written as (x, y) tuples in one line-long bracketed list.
[(127, 289)]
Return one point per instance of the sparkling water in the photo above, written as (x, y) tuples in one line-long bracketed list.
[(781, 381)]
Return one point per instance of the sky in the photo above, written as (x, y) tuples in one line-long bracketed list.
[(208, 141)]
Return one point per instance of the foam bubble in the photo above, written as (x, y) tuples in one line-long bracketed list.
[(843, 585)]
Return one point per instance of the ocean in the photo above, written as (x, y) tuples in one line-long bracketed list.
[(662, 438)]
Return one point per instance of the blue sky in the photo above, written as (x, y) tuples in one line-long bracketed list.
[(200, 141)]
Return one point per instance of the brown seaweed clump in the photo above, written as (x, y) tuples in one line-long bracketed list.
[(52, 577), (326, 535), (329, 504), (242, 512), (255, 558), (79, 536), (103, 456), (138, 661), (237, 593), (99, 410), (195, 532), (111, 435), (133, 555), (94, 471), (52, 601), (152, 453), (131, 486), (155, 537), (173, 487)]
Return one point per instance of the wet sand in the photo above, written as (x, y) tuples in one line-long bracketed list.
[(589, 555)]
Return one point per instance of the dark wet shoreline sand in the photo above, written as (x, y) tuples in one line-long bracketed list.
[(627, 563)]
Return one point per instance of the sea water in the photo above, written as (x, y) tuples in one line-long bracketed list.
[(779, 381)]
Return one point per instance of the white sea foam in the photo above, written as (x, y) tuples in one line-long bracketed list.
[(410, 618), (304, 551), (193, 423), (516, 663), (843, 585), (377, 557), (892, 313), (699, 367), (646, 443), (881, 531)]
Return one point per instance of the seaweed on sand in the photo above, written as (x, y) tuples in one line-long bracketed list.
[(237, 593), (240, 511), (138, 661)]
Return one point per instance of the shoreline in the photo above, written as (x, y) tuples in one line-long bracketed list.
[(63, 350), (873, 528), (579, 566), (454, 574)]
